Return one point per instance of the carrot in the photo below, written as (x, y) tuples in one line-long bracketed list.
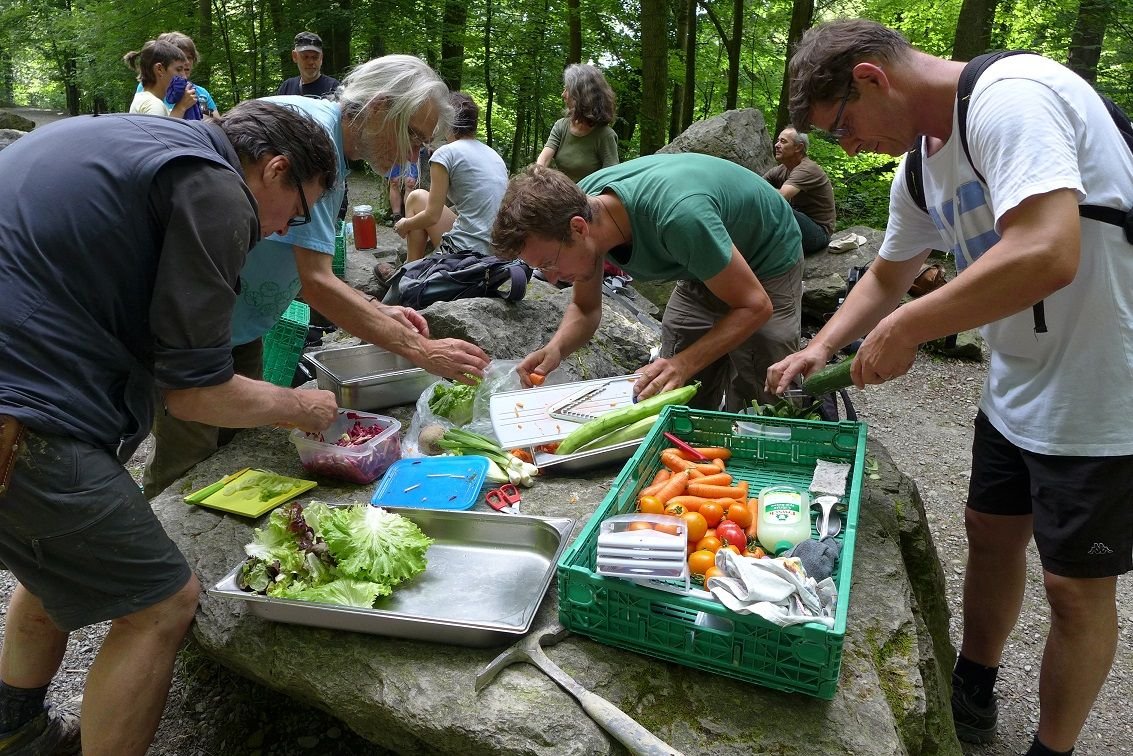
[(712, 452), (661, 476), (651, 489), (694, 474), (691, 503), (719, 464), (522, 454), (671, 460), (707, 469), (719, 479), (719, 492), (674, 486)]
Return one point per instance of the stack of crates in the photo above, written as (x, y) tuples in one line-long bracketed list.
[(339, 263), (699, 631), (283, 344)]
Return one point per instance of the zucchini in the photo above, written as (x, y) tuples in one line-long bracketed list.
[(631, 432), (611, 421), (830, 378)]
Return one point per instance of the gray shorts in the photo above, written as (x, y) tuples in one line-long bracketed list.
[(76, 530)]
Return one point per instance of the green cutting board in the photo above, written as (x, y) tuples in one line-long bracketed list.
[(248, 501)]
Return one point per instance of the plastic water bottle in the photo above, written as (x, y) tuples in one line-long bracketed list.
[(784, 517)]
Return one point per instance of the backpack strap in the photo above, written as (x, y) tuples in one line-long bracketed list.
[(518, 274)]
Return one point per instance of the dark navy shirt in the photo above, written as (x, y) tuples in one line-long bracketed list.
[(320, 87), (121, 243)]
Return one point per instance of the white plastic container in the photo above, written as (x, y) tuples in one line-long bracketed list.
[(784, 517)]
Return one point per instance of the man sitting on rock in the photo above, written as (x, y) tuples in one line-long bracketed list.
[(123, 239), (728, 239), (804, 184), (388, 108)]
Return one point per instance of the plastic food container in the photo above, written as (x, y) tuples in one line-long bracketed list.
[(362, 463)]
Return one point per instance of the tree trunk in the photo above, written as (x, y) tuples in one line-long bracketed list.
[(336, 42), (71, 84), (689, 94), (452, 44), (574, 33), (734, 54), (202, 72), (802, 16), (7, 79), (1086, 40), (654, 74), (973, 29), (282, 40), (489, 88), (675, 107)]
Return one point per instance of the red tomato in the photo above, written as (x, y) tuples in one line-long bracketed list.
[(731, 533)]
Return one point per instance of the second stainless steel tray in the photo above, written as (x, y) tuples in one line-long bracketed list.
[(486, 577), (366, 377), (583, 461)]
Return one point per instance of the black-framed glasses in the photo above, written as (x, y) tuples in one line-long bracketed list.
[(836, 130), (416, 138), (305, 218)]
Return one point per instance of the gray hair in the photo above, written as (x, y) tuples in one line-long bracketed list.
[(400, 84), (802, 140)]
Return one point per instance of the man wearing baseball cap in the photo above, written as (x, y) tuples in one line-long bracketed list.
[(311, 82)]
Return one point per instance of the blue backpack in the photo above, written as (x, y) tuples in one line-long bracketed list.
[(914, 175)]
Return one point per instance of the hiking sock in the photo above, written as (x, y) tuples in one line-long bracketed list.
[(977, 680), (18, 706), (1038, 749)]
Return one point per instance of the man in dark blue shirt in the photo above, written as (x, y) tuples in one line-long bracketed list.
[(311, 82), (123, 240)]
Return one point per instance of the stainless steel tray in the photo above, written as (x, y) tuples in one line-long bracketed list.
[(366, 377), (583, 461), (486, 577)]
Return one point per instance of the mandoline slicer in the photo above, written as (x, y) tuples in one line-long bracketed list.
[(645, 554), (565, 409)]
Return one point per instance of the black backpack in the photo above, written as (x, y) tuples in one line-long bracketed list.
[(457, 275), (914, 176)]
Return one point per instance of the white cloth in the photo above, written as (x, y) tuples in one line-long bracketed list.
[(829, 477), (144, 102), (776, 589), (1065, 392), (477, 180)]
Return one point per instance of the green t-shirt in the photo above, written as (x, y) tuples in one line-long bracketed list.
[(579, 156), (687, 210)]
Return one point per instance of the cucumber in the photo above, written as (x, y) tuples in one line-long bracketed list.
[(830, 378), (631, 432), (611, 421)]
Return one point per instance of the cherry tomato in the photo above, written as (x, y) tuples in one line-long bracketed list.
[(712, 512), (757, 552), (709, 543), (640, 525), (650, 505), (712, 572), (730, 533), (739, 514), (695, 525), (731, 548), (676, 510), (701, 561)]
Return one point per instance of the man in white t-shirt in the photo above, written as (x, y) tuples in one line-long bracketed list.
[(1052, 456)]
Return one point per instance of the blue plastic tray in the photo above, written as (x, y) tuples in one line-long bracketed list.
[(432, 483)]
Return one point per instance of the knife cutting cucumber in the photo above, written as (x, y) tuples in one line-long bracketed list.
[(611, 421)]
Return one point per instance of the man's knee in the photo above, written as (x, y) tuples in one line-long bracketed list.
[(1081, 600), (170, 617), (997, 534)]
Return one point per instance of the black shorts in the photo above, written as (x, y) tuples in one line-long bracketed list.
[(1082, 506), (76, 530)]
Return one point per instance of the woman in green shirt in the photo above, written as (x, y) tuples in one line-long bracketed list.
[(583, 141)]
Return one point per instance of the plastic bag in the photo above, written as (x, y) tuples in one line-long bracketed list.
[(422, 418)]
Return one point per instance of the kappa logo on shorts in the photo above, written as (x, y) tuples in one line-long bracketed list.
[(1099, 548)]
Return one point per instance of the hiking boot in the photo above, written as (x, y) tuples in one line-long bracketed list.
[(974, 723), (55, 732)]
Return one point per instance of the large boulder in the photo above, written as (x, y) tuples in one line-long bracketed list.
[(7, 136), (737, 135), (15, 121), (416, 697), (508, 330)]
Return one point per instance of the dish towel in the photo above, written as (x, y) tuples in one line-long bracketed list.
[(776, 589), (846, 243), (829, 478)]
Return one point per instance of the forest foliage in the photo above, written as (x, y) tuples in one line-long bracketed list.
[(670, 61)]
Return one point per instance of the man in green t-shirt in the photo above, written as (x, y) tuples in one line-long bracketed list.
[(728, 238)]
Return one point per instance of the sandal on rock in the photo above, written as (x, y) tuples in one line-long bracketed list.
[(931, 278)]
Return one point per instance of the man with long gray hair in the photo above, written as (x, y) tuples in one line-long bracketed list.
[(386, 110), (123, 239)]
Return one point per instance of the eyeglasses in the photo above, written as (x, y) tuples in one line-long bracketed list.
[(835, 130), (305, 218), (553, 267), (416, 138)]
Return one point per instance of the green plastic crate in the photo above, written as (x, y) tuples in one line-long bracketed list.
[(702, 633), (283, 344), (338, 265)]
